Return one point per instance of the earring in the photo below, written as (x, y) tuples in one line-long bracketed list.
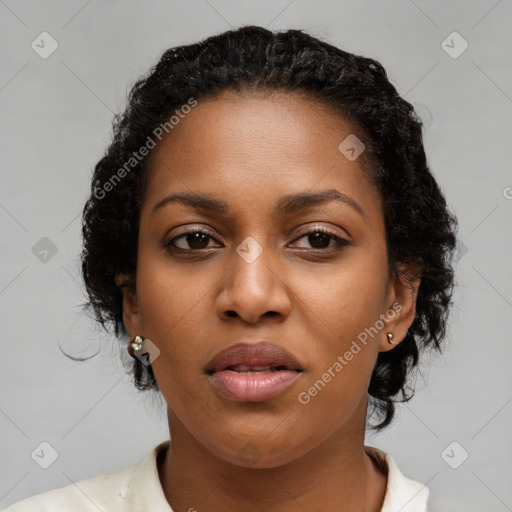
[(390, 339), (134, 345)]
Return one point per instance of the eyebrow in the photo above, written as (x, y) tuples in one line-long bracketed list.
[(285, 206)]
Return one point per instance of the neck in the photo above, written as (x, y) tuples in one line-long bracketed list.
[(337, 475)]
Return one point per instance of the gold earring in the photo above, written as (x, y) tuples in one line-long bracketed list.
[(390, 339), (134, 345)]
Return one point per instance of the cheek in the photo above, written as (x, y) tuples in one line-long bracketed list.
[(342, 311), (338, 379), (170, 294), (345, 301), (178, 315)]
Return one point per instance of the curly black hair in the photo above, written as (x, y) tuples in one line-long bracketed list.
[(419, 225)]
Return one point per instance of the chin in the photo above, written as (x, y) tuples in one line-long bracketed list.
[(263, 453)]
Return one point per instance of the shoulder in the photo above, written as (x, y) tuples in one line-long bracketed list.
[(402, 493), (131, 488), (110, 491)]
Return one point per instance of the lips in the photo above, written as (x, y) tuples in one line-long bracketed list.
[(253, 372), (255, 357)]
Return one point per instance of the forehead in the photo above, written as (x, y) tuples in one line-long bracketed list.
[(267, 144), (259, 121)]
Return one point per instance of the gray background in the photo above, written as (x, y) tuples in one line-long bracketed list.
[(55, 124)]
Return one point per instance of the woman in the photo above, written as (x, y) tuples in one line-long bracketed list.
[(265, 230)]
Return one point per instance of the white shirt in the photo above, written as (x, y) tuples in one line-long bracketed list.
[(138, 489)]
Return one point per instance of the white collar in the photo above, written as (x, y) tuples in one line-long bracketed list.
[(402, 494)]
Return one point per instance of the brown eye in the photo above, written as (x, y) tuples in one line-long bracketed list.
[(195, 240), (319, 238)]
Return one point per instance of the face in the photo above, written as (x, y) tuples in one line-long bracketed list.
[(256, 264)]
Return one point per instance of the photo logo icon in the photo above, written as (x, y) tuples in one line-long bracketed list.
[(454, 455), (147, 353), (249, 249), (44, 45), (351, 147), (461, 250), (44, 250), (249, 454), (454, 45), (44, 455)]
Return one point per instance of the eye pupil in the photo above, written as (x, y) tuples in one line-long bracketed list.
[(195, 240), (319, 237)]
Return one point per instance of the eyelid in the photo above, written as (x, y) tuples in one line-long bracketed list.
[(326, 229), (192, 228), (208, 230)]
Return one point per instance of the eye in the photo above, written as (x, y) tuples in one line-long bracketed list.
[(195, 239), (320, 237)]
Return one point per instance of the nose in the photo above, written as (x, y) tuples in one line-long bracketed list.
[(253, 288)]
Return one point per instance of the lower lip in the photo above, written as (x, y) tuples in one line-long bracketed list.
[(253, 387)]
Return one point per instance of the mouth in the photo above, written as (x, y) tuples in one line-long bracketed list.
[(253, 372), (253, 385), (256, 369)]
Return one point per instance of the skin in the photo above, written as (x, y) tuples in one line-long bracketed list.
[(250, 150)]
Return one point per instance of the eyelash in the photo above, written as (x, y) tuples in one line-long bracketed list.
[(339, 241)]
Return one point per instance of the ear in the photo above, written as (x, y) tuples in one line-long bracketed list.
[(131, 312), (401, 303)]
